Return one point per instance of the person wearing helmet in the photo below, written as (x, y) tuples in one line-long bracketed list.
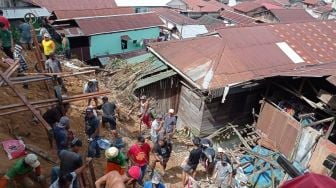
[(91, 86), (169, 125), (116, 161), (26, 171), (114, 179), (48, 45)]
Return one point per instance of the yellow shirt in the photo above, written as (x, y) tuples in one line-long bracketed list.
[(48, 46)]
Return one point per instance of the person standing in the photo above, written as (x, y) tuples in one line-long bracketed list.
[(114, 179), (91, 86), (53, 65), (116, 161), (68, 180), (192, 161), (4, 20), (109, 113), (145, 116), (170, 125), (157, 125), (139, 155), (48, 45), (66, 46), (61, 133), (70, 160), (6, 41), (54, 114), (162, 152), (26, 171), (26, 37), (23, 68), (92, 131), (223, 173)]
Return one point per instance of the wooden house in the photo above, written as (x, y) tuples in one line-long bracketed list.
[(222, 75)]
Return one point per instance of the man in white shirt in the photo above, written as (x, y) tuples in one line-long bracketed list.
[(157, 125)]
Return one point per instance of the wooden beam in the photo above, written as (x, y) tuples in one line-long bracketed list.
[(25, 101), (331, 126), (240, 137), (320, 122)]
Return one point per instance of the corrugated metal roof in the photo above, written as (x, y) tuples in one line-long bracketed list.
[(311, 2), (207, 20), (245, 53), (69, 14), (142, 3), (247, 6), (189, 31), (156, 65), (18, 13), (236, 17), (174, 16), (115, 23), (205, 6), (323, 8), (154, 78), (291, 15), (53, 5), (71, 32)]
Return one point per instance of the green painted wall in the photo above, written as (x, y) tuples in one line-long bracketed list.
[(108, 44)]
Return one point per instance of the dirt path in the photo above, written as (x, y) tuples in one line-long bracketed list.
[(34, 134)]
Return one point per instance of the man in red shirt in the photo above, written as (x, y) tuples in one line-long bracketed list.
[(4, 20), (139, 155)]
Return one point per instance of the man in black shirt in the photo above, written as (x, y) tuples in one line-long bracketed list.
[(54, 114), (193, 160), (162, 151)]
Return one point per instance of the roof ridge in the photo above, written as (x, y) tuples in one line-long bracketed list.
[(116, 15)]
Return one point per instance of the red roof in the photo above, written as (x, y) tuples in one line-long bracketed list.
[(69, 14), (270, 6), (310, 180), (247, 6), (205, 6), (53, 5), (292, 15), (174, 16), (324, 8), (241, 54), (236, 17), (109, 24)]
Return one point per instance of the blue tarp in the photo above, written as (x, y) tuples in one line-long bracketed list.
[(264, 179)]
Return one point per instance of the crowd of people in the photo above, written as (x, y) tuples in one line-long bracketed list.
[(124, 166)]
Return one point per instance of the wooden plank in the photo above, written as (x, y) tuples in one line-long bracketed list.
[(331, 126), (240, 137), (25, 101)]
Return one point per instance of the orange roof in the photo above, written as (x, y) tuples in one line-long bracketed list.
[(205, 6)]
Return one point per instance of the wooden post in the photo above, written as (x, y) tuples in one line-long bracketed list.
[(331, 126), (240, 137)]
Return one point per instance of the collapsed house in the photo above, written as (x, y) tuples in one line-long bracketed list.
[(281, 71)]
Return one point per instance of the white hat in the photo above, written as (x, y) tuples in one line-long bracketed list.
[(143, 97), (171, 111), (31, 160), (111, 152), (220, 150), (46, 35), (156, 178)]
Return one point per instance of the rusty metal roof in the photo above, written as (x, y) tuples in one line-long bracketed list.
[(291, 15), (324, 8), (174, 16), (247, 6), (240, 54), (236, 17), (311, 2), (53, 5), (205, 6), (115, 23), (69, 14)]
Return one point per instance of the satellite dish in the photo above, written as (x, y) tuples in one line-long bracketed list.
[(30, 18)]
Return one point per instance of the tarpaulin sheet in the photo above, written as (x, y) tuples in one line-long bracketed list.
[(14, 148)]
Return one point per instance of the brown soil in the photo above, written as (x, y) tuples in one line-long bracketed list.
[(34, 134)]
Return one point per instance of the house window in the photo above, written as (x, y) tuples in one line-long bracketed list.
[(123, 44)]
